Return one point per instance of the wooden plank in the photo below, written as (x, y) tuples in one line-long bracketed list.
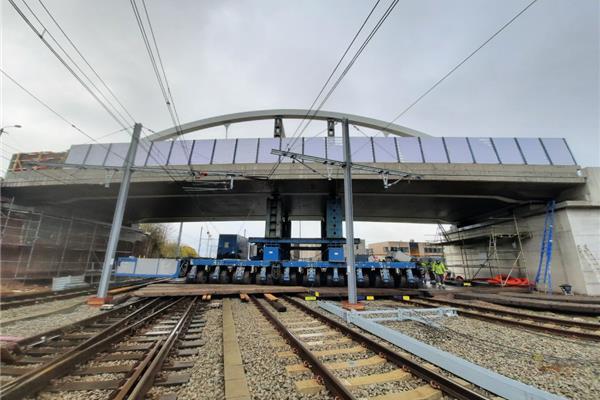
[(172, 379), (316, 343), (311, 386), (122, 356), (309, 328), (186, 344), (425, 392), (342, 350), (161, 289), (376, 379), (244, 297), (111, 384), (270, 297), (14, 371), (132, 347), (108, 369), (187, 352), (236, 385), (341, 365), (176, 365), (320, 334)]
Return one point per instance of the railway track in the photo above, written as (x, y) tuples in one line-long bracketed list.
[(123, 355), (8, 302), (554, 325), (341, 358)]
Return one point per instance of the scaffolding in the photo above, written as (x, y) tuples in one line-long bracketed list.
[(39, 246), (503, 244)]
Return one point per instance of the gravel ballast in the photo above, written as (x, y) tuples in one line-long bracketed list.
[(567, 367)]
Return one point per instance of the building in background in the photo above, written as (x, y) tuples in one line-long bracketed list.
[(410, 248)]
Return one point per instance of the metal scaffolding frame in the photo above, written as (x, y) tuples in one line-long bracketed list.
[(38, 245)]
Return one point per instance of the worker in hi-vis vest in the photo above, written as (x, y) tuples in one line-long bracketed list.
[(439, 269)]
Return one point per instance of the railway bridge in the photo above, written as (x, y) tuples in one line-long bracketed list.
[(491, 190)]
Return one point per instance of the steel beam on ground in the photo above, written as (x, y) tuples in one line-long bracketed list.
[(115, 229)]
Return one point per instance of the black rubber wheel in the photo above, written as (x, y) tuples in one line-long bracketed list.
[(293, 279), (224, 277), (269, 280), (246, 278), (329, 280), (378, 281), (201, 276), (212, 278)]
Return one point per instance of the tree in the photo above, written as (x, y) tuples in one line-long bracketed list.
[(159, 244)]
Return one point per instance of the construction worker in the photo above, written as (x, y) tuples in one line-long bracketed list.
[(439, 269)]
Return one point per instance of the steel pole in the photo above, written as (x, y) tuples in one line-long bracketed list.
[(200, 240), (349, 211), (178, 250), (115, 230)]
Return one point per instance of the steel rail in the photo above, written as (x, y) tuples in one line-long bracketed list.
[(31, 299), (331, 382), (482, 313), (437, 380), (146, 381), (32, 382), (46, 336)]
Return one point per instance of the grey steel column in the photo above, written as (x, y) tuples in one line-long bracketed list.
[(178, 250), (115, 230), (200, 240), (349, 211)]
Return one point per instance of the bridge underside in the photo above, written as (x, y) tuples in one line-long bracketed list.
[(463, 196)]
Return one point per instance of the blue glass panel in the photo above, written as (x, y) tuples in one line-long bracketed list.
[(335, 148), (558, 151), (246, 151), (159, 153), (291, 144), (314, 147), (265, 145), (77, 154), (483, 150), (458, 150), (385, 149), (180, 152), (533, 151), (361, 149), (508, 151), (433, 150), (97, 154), (117, 154), (202, 153), (409, 150), (141, 154), (224, 149)]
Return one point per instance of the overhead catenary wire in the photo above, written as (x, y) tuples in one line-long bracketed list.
[(461, 63), (114, 113), (311, 114), (86, 61)]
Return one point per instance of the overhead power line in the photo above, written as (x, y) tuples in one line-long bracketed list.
[(310, 113), (86, 61), (464, 60), (53, 111), (114, 113)]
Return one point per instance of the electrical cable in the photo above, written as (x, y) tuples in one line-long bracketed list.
[(86, 61), (457, 66), (357, 54)]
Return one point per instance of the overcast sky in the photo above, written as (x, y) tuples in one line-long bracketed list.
[(540, 77)]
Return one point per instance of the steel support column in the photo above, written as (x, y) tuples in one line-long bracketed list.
[(349, 210), (115, 230)]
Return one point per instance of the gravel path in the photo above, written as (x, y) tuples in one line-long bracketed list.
[(39, 308), (559, 365), (207, 381), (41, 324)]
